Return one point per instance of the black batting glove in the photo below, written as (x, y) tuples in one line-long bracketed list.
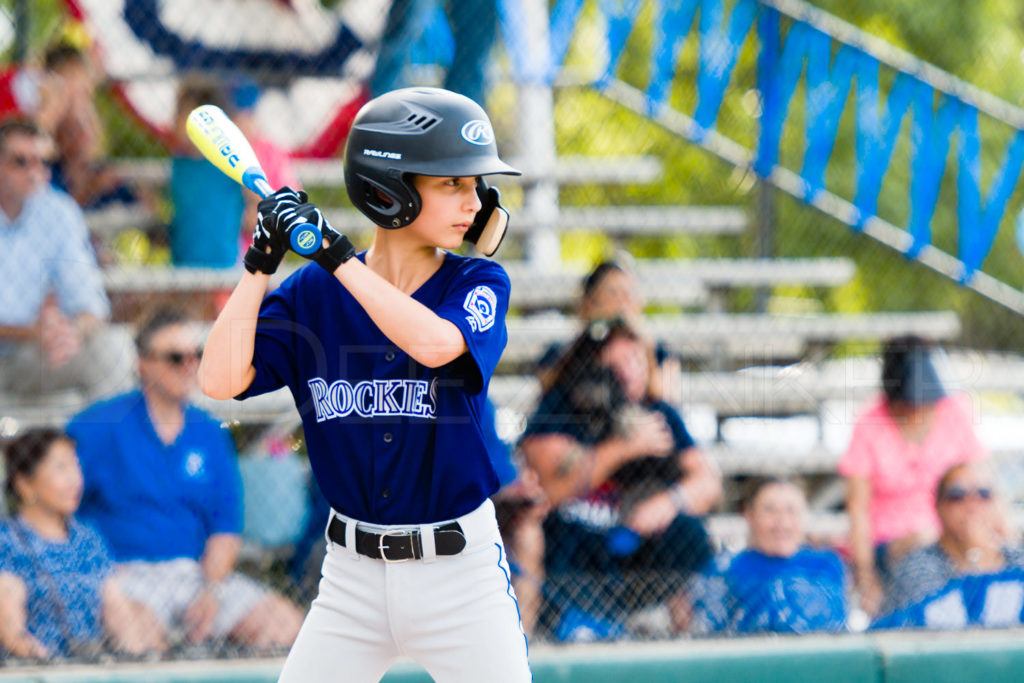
[(269, 240), (339, 247)]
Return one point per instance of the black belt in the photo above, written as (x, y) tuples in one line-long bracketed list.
[(399, 546)]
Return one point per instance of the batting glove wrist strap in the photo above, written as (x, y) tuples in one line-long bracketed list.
[(341, 250), (259, 261)]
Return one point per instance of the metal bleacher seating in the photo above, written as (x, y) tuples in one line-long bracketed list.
[(736, 363)]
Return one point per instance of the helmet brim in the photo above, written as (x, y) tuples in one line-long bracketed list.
[(461, 168)]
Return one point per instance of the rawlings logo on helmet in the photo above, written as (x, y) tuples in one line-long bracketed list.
[(477, 132)]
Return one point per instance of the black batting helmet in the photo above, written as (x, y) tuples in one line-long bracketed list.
[(415, 131)]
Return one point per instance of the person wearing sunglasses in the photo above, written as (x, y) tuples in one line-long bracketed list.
[(974, 538), (53, 308), (162, 486)]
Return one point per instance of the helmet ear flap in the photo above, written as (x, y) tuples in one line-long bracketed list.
[(392, 205), (491, 222)]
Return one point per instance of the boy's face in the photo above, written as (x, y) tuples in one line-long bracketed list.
[(449, 207), (776, 518)]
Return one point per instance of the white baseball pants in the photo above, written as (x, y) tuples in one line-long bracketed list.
[(457, 616)]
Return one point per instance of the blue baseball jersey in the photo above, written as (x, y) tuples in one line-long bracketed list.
[(390, 441), (152, 501)]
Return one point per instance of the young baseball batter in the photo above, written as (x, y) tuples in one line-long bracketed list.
[(388, 354)]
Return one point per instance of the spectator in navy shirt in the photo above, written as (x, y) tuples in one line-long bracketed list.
[(777, 584), (52, 304), (58, 596), (162, 486), (627, 486)]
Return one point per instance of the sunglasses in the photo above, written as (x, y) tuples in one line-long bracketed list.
[(177, 357), (955, 494)]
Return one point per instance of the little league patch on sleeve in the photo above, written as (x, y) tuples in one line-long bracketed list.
[(482, 305)]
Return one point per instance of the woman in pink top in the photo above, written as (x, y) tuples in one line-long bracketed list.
[(902, 443)]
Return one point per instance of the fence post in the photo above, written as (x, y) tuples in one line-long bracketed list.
[(537, 134), (22, 28), (764, 244)]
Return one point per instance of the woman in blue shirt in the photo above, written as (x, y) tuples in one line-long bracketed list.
[(56, 574)]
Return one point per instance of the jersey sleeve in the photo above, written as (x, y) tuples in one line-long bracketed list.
[(274, 353), (477, 305)]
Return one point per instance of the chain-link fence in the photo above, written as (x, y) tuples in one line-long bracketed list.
[(751, 168)]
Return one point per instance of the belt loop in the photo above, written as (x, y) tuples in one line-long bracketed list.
[(427, 541), (350, 537)]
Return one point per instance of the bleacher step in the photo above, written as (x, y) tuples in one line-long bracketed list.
[(567, 170), (741, 335)]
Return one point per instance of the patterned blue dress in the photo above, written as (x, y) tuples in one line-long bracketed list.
[(76, 568)]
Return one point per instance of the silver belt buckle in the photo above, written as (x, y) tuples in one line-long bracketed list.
[(381, 546)]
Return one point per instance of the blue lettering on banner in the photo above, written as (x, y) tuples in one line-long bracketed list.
[(372, 398)]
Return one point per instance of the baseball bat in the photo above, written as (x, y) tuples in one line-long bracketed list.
[(223, 144)]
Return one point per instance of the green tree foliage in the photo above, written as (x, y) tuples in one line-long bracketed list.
[(979, 42)]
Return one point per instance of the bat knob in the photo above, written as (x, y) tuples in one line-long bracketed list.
[(305, 239)]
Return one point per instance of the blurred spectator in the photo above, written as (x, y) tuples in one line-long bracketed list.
[(992, 600), (208, 206), (79, 167), (627, 485), (777, 584), (901, 444), (310, 549), (26, 91), (276, 162), (520, 507), (474, 25), (58, 595), (974, 540), (52, 303), (610, 291), (162, 486)]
